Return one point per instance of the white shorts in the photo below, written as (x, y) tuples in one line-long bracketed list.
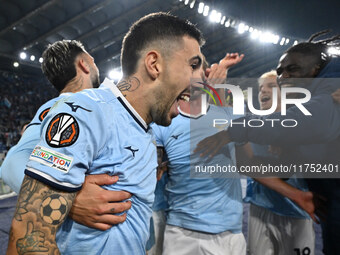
[(272, 234), (181, 241), (159, 227)]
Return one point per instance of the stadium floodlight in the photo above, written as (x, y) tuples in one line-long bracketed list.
[(115, 75), (269, 37), (255, 34), (287, 41), (241, 28), (251, 29), (200, 7), (206, 10), (282, 42), (218, 17), (212, 16), (227, 23), (192, 4), (276, 39), (40, 60), (186, 2), (15, 64), (32, 58), (23, 55), (334, 50), (295, 42), (223, 20)]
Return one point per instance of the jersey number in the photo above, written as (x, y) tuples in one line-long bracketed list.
[(304, 251)]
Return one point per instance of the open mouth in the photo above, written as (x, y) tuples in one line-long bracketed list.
[(265, 99)]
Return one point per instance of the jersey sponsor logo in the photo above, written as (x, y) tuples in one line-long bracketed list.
[(51, 158), (43, 114), (132, 150), (75, 107), (62, 131), (176, 136)]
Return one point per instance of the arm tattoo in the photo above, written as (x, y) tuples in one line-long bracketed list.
[(40, 212), (160, 152), (129, 84), (27, 190)]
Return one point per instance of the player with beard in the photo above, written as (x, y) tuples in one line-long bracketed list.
[(106, 131), (205, 213), (65, 64), (69, 68)]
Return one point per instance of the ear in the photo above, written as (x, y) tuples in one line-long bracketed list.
[(152, 62), (82, 64), (316, 70)]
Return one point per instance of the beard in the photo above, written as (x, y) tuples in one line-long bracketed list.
[(161, 108), (160, 115), (94, 78)]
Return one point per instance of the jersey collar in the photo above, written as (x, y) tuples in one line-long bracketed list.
[(109, 84)]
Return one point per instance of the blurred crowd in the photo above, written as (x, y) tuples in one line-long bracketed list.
[(20, 98)]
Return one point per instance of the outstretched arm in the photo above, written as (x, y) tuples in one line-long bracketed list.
[(217, 73), (39, 213), (304, 199)]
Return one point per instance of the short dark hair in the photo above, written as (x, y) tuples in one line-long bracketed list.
[(58, 62), (318, 49), (150, 28)]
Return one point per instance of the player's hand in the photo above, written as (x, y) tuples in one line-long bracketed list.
[(216, 74), (211, 145), (306, 202), (161, 169), (231, 59), (95, 207), (336, 96)]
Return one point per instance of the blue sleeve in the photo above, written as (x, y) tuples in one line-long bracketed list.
[(14, 165), (321, 127), (15, 162), (73, 134)]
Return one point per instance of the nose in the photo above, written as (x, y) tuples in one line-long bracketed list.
[(264, 89)]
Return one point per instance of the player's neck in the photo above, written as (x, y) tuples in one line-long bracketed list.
[(78, 83), (131, 89)]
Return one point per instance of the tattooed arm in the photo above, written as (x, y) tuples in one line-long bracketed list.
[(162, 165), (40, 211)]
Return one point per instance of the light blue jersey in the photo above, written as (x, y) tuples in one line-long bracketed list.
[(212, 205), (13, 167), (97, 131), (267, 198)]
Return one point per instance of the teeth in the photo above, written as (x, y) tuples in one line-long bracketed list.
[(185, 98)]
